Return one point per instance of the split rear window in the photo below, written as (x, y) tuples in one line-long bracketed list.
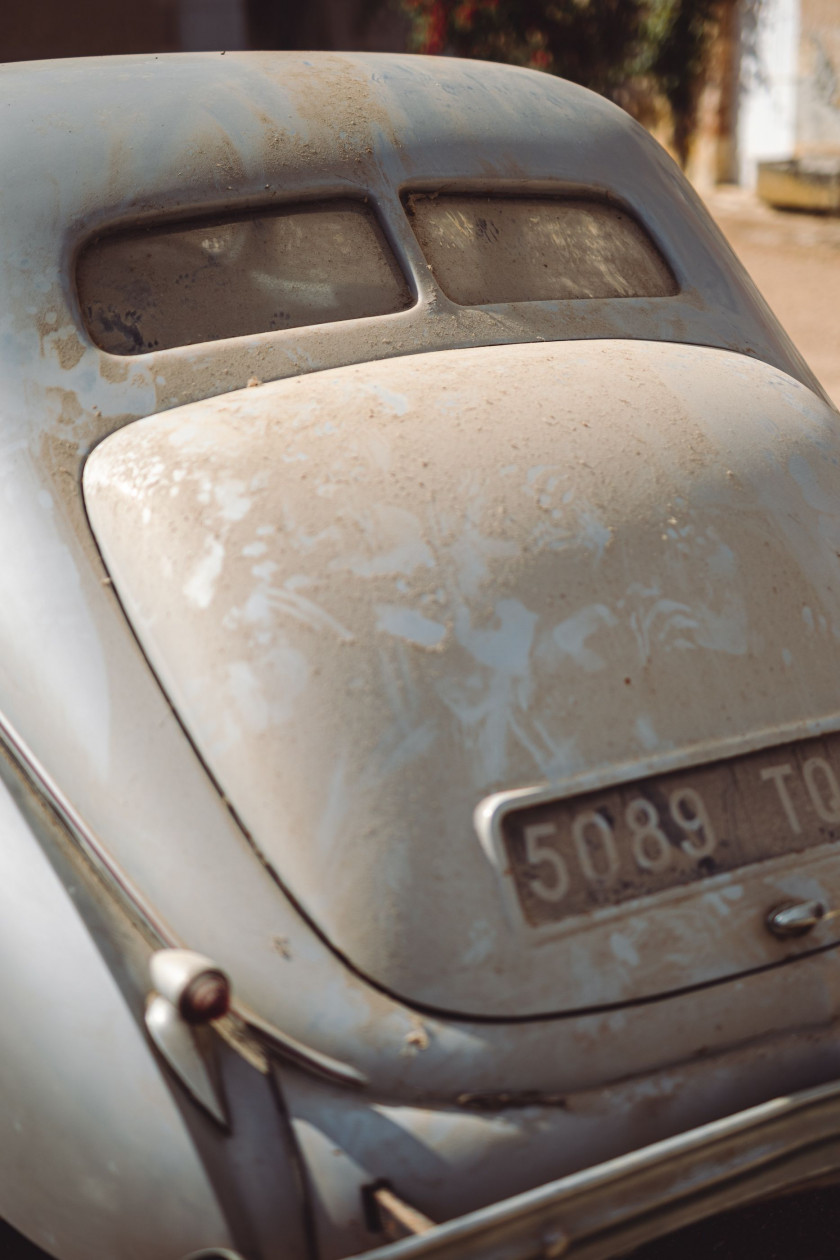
[(184, 283)]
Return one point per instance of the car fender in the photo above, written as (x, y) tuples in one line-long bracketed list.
[(115, 1171)]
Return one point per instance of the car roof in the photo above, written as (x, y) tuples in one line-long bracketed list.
[(93, 145)]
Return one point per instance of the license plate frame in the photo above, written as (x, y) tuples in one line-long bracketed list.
[(759, 805)]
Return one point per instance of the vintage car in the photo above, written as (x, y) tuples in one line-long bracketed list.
[(420, 674)]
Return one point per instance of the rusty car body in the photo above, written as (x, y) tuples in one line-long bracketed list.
[(420, 673)]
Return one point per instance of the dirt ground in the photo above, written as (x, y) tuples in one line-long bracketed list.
[(794, 259)]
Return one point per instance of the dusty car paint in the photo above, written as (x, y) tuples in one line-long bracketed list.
[(95, 147), (481, 560)]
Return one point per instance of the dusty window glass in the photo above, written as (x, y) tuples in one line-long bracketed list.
[(202, 281), (484, 250)]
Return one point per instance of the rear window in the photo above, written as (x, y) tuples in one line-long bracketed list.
[(179, 284), (489, 249)]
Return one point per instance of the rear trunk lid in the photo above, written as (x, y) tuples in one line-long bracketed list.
[(408, 609)]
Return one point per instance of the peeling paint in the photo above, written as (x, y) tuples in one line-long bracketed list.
[(200, 587), (465, 617), (412, 626)]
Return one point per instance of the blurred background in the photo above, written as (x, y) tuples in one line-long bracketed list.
[(724, 84), (744, 93)]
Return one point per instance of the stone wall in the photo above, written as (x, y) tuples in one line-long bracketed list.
[(818, 95)]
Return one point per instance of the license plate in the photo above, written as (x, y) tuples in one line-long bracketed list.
[(607, 847)]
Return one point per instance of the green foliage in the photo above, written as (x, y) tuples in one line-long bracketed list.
[(679, 35), (612, 46)]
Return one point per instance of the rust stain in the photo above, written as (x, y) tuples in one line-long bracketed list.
[(114, 370), (65, 404), (69, 350)]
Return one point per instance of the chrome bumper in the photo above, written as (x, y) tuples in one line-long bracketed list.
[(612, 1207)]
